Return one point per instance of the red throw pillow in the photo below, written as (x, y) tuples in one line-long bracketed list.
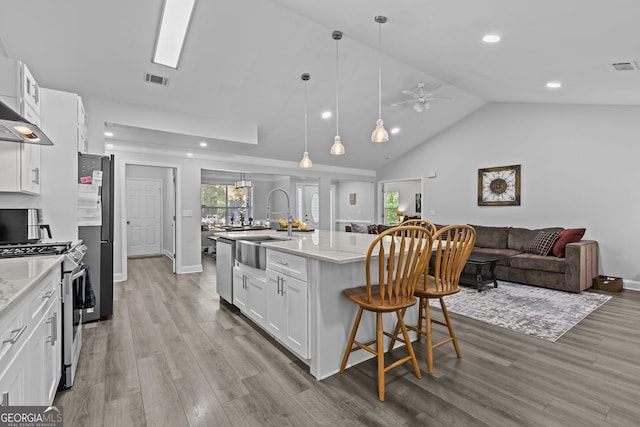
[(570, 235)]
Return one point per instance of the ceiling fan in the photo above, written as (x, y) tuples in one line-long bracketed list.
[(420, 97)]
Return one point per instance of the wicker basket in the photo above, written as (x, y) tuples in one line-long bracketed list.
[(607, 283)]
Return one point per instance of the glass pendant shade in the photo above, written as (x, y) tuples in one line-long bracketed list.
[(380, 134), (337, 149), (305, 163)]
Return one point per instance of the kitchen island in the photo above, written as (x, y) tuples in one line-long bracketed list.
[(331, 261)]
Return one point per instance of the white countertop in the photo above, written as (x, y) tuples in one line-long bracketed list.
[(333, 246), (18, 275)]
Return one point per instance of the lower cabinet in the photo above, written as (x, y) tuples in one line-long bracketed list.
[(249, 294), (287, 311), (31, 352)]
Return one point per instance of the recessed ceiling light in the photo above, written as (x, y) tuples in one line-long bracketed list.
[(203, 144), (389, 157), (109, 146), (491, 38), (189, 154), (176, 15), (395, 130), (326, 114), (554, 85), (108, 134)]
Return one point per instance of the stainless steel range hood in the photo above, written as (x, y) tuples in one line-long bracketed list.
[(15, 128)]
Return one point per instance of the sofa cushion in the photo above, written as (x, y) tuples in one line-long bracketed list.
[(503, 255), (520, 238), (359, 228), (372, 228), (538, 262), (543, 242), (491, 237), (383, 227), (570, 235)]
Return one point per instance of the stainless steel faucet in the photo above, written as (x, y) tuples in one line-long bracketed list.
[(289, 217)]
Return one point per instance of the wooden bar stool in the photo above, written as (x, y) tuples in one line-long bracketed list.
[(403, 255), (422, 223), (451, 249)]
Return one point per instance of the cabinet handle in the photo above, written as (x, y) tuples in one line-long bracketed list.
[(36, 175), (5, 399), (17, 333), (54, 328), (47, 295), (282, 292), (279, 278), (283, 263)]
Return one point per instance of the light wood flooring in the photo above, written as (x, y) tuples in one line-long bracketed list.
[(172, 355)]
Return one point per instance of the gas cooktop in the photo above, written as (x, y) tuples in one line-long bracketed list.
[(33, 249)]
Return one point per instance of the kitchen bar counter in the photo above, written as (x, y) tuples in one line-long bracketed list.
[(18, 275), (335, 260)]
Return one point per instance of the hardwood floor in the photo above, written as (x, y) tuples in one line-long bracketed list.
[(171, 355)]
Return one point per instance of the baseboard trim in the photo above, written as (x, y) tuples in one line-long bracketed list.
[(632, 285), (190, 269)]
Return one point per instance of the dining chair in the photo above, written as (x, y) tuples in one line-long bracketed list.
[(422, 223), (452, 246), (396, 261)]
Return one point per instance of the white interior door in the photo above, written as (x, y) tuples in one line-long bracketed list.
[(144, 216)]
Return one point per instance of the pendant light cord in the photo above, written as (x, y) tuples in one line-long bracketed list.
[(305, 116), (379, 70), (337, 83)]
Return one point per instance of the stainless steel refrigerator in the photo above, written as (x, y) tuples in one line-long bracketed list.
[(95, 176)]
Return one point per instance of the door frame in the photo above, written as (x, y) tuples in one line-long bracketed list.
[(380, 194), (122, 201)]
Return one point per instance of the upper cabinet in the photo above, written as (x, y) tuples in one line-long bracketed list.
[(19, 163)]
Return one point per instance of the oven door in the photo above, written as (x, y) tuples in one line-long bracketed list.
[(74, 282)]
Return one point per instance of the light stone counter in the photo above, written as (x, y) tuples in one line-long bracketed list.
[(18, 275), (336, 247)]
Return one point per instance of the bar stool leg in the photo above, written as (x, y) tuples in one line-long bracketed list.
[(352, 337)]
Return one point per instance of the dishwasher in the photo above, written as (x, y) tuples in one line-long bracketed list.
[(225, 259)]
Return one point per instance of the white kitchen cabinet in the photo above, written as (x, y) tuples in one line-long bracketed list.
[(287, 301), (31, 354), (19, 163), (249, 294)]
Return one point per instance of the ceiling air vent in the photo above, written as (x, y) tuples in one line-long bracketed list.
[(152, 78), (625, 66)]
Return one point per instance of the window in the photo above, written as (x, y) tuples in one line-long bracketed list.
[(391, 206), (223, 204)]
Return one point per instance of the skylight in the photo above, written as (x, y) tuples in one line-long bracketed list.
[(176, 16)]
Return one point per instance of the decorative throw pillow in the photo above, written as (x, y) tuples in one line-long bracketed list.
[(372, 228), (359, 228), (570, 235), (543, 242)]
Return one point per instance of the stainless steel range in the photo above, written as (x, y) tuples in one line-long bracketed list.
[(73, 280)]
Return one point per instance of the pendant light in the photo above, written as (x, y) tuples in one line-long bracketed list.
[(337, 148), (380, 134), (306, 161)]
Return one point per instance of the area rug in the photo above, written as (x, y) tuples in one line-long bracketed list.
[(539, 312)]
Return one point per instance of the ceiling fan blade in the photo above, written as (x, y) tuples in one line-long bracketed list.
[(437, 98), (410, 93), (402, 102)]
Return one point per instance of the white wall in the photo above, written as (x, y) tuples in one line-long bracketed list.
[(362, 211), (579, 169)]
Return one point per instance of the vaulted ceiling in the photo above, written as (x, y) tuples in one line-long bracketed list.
[(243, 59)]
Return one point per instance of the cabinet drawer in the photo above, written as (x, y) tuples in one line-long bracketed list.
[(291, 265), (13, 332), (41, 297)]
